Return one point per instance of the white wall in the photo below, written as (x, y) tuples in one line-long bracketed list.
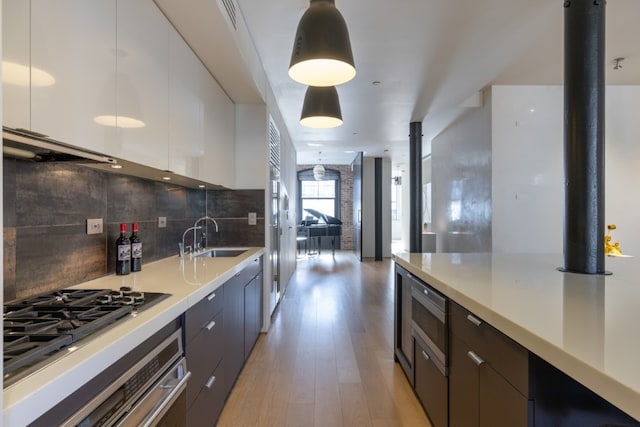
[(461, 183), (368, 208), (528, 198)]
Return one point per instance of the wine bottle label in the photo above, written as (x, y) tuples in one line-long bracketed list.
[(124, 252), (136, 250)]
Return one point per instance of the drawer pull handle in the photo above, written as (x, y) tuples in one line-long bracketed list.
[(211, 296), (425, 355), (474, 320), (210, 381), (476, 359), (210, 325)]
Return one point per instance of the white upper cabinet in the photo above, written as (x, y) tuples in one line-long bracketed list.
[(16, 71), (142, 83), (201, 119), (186, 108), (217, 164), (74, 41)]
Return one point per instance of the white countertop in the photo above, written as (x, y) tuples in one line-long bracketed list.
[(587, 326), (187, 280)]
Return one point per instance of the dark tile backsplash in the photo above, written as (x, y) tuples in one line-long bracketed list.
[(46, 206)]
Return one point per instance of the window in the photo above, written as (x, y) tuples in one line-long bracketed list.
[(322, 196), (319, 195)]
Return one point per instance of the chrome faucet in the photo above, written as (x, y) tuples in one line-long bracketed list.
[(204, 218), (181, 245)]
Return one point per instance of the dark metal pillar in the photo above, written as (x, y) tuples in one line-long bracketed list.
[(378, 206), (415, 187), (584, 90)]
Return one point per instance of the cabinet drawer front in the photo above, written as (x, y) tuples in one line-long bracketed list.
[(504, 355), (199, 316), (500, 402), (206, 409), (249, 272), (203, 356), (431, 387)]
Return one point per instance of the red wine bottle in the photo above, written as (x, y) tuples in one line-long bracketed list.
[(123, 252), (136, 249)]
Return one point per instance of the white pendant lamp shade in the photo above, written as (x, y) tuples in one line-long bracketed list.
[(321, 108), (322, 51), (318, 172)]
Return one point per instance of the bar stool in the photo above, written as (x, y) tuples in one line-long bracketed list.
[(300, 240)]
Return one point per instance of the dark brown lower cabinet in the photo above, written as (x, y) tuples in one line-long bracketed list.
[(206, 409), (463, 386), (484, 365), (431, 386), (220, 332)]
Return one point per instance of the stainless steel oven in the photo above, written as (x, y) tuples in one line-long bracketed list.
[(429, 314), (429, 321), (146, 394), (146, 387)]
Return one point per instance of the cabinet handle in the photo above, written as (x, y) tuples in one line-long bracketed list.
[(476, 359), (210, 381), (210, 325), (425, 355), (211, 296), (474, 320)]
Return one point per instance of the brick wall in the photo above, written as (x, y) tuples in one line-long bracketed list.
[(346, 202)]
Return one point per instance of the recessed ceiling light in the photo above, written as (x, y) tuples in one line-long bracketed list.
[(314, 144), (116, 166), (349, 152), (166, 178), (201, 186)]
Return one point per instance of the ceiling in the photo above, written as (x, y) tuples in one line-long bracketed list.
[(416, 60)]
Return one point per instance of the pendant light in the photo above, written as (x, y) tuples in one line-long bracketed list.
[(322, 51), (321, 108), (318, 170)]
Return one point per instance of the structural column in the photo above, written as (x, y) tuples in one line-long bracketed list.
[(584, 98), (378, 206), (415, 187)]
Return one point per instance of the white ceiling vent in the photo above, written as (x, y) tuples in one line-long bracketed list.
[(229, 6)]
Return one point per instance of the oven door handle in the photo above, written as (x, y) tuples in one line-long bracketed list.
[(168, 401), (154, 403)]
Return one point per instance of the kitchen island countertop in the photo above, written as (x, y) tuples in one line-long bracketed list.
[(188, 281), (584, 325)]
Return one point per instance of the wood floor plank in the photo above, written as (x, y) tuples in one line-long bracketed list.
[(327, 359)]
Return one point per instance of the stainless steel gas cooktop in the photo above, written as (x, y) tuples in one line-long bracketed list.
[(38, 328)]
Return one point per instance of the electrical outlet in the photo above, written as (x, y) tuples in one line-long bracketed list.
[(253, 219), (94, 225), (162, 222)]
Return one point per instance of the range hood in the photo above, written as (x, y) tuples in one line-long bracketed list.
[(31, 146)]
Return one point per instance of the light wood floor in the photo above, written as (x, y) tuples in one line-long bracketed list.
[(327, 360)]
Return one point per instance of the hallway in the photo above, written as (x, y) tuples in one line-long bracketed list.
[(328, 359)]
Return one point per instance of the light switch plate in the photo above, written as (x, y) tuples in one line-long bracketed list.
[(94, 225), (162, 222), (253, 219)]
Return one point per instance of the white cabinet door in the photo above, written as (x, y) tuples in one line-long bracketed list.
[(74, 41), (16, 72), (217, 165), (186, 108), (142, 83)]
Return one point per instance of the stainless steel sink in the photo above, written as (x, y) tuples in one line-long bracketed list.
[(221, 252)]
